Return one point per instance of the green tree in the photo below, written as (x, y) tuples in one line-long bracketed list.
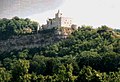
[(5, 75), (23, 54), (20, 71), (87, 74)]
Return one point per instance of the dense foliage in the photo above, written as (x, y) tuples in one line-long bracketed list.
[(88, 55), (15, 26)]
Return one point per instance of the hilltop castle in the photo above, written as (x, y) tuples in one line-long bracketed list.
[(63, 24), (59, 21)]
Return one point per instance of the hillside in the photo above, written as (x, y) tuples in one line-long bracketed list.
[(18, 34), (28, 41), (87, 55)]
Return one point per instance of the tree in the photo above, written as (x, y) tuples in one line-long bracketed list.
[(87, 74), (61, 73), (38, 64), (20, 70), (23, 54), (5, 75)]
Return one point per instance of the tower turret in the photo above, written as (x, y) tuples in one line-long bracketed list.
[(58, 14)]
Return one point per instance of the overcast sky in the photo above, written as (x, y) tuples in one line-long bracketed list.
[(83, 12)]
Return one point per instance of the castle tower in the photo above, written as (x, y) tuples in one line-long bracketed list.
[(59, 21), (58, 14)]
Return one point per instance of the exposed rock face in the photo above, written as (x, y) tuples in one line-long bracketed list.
[(27, 41), (63, 33), (44, 38)]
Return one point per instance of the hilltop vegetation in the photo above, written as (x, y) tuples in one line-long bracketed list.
[(16, 26), (87, 55)]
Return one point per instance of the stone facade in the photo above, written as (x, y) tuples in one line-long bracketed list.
[(59, 21)]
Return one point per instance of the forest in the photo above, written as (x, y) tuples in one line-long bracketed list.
[(16, 26), (87, 55)]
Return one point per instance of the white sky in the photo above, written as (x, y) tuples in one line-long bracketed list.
[(87, 12), (83, 12)]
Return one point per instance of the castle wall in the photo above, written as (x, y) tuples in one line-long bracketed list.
[(66, 22), (56, 22)]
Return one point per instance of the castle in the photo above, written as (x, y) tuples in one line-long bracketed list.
[(63, 24), (58, 21)]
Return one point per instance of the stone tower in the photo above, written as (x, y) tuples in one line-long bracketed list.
[(59, 21), (58, 14)]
